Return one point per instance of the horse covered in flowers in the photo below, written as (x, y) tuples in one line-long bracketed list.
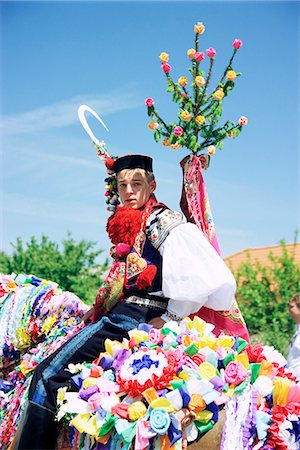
[(159, 389)]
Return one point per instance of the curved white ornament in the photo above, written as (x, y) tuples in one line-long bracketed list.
[(81, 114)]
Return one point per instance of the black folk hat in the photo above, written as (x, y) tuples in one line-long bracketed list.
[(133, 162)]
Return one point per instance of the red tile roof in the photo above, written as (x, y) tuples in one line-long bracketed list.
[(261, 254)]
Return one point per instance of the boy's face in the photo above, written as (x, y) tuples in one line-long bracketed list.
[(294, 311), (134, 188)]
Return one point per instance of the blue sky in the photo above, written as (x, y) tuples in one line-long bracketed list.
[(57, 55)]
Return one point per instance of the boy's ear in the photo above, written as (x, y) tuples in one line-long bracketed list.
[(152, 186)]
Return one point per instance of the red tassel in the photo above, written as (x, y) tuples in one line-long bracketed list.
[(146, 278)]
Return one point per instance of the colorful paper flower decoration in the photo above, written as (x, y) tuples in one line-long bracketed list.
[(144, 392), (199, 111)]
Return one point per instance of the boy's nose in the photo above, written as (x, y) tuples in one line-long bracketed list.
[(129, 188)]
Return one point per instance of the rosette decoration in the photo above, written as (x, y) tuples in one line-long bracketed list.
[(36, 318), (197, 127), (160, 387)]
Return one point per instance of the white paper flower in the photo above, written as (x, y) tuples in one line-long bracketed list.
[(273, 355), (74, 368), (263, 385)]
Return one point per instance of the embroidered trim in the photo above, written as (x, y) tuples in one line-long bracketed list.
[(160, 224), (148, 302), (170, 316)]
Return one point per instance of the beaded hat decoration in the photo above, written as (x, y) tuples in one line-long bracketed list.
[(113, 164), (197, 127)]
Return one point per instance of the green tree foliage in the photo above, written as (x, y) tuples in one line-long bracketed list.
[(263, 293), (73, 266)]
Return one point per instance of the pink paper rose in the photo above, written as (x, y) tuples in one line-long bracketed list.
[(199, 56), (166, 68), (237, 43), (235, 373), (211, 52), (243, 121), (155, 336), (149, 102), (178, 131)]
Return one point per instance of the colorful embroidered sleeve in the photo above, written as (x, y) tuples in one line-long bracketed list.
[(160, 224)]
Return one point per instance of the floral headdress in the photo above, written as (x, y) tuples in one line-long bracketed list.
[(200, 111)]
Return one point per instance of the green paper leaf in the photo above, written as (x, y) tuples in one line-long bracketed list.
[(157, 135), (241, 387), (193, 141), (173, 139)]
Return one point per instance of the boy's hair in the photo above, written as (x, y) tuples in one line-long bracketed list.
[(149, 175), (295, 299)]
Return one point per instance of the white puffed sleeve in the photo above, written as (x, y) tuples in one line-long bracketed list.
[(194, 275)]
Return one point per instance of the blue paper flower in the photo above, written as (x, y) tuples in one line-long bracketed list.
[(159, 420)]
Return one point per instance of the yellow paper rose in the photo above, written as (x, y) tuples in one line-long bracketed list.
[(153, 125), (218, 95), (207, 370), (137, 410), (231, 75), (166, 142), (186, 116), (200, 120), (164, 57), (175, 146), (200, 81), (197, 403), (199, 28), (211, 150), (191, 53), (182, 81)]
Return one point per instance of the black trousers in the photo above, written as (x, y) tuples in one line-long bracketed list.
[(86, 345)]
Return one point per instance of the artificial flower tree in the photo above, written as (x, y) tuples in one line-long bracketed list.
[(197, 127)]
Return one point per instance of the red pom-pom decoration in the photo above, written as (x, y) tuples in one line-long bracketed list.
[(146, 278), (123, 225), (109, 163)]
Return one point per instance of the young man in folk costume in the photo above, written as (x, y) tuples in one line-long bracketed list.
[(164, 269)]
